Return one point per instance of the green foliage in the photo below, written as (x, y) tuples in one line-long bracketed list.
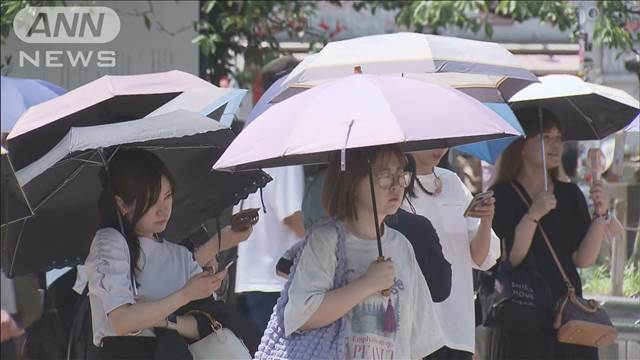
[(631, 285), (229, 29), (475, 15), (611, 27), (597, 280), (9, 10)]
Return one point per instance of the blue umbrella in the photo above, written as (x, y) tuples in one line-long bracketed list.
[(490, 150), (20, 94)]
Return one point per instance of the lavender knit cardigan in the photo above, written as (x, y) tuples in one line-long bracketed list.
[(323, 343)]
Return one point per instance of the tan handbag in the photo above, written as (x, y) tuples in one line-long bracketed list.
[(577, 320)]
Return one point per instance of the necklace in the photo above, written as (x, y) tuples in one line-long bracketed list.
[(437, 183)]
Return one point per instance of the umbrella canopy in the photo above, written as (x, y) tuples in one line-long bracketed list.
[(17, 95), (358, 111), (413, 53), (491, 150), (634, 126), (64, 185), (110, 99), (585, 111), (15, 206), (485, 88), (217, 103), (361, 111)]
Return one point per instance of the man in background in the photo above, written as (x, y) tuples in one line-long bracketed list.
[(278, 229)]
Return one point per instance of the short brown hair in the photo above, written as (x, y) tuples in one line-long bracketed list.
[(339, 190)]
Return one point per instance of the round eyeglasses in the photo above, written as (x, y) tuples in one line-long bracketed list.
[(387, 180)]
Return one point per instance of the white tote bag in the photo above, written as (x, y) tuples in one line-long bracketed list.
[(221, 344)]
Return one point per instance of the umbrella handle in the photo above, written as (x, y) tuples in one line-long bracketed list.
[(385, 292)]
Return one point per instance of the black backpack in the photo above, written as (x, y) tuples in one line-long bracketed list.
[(64, 331)]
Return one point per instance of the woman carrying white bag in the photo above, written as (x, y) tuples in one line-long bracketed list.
[(138, 281)]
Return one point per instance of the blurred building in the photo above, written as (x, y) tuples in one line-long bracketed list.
[(165, 45)]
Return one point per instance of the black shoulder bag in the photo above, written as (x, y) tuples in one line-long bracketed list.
[(514, 299)]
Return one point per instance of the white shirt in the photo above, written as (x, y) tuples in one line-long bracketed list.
[(456, 314), (165, 267), (259, 254), (367, 334)]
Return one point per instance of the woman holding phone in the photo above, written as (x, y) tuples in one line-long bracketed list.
[(467, 243), (562, 211), (137, 280)]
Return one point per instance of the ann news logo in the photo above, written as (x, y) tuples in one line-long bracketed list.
[(67, 25)]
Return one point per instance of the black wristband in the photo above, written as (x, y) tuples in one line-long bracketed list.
[(204, 325)]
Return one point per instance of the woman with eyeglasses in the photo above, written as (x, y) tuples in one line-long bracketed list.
[(376, 325), (467, 243)]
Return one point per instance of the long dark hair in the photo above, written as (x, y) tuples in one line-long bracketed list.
[(511, 159), (135, 176)]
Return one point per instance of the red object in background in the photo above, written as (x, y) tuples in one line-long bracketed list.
[(632, 26), (587, 178), (225, 82), (256, 88), (338, 30)]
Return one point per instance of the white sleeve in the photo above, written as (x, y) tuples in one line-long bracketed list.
[(312, 278), (422, 330), (492, 256), (107, 268), (288, 191), (472, 228)]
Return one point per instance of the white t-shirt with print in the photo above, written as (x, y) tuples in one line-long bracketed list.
[(370, 324), (165, 267), (259, 254), (456, 314)]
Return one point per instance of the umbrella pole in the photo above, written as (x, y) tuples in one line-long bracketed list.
[(5, 215), (544, 158), (375, 218), (375, 211), (105, 163)]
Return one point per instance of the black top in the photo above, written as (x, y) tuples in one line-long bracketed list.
[(426, 245), (566, 226)]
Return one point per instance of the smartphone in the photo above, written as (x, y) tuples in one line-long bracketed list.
[(224, 264), (226, 267), (477, 200)]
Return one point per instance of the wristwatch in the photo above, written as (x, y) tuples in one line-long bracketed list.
[(172, 322)]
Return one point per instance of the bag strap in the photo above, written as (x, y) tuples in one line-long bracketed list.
[(546, 240), (215, 324)]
